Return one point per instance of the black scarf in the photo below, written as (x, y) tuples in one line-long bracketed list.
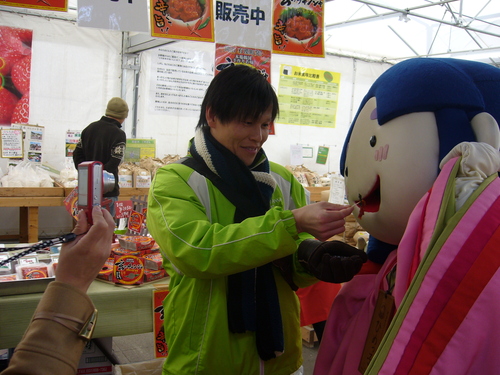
[(252, 296)]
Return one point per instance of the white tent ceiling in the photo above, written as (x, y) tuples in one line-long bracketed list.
[(393, 30)]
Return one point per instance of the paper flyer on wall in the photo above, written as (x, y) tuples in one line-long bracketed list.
[(72, 138), (298, 27), (188, 19), (308, 96), (179, 79)]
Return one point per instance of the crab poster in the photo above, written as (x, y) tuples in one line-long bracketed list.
[(182, 19), (298, 27), (57, 5), (226, 55)]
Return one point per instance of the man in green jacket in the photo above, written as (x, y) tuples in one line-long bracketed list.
[(238, 237)]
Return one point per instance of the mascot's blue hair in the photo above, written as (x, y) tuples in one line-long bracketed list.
[(455, 90)]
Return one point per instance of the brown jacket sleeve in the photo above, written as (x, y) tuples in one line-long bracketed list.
[(48, 347)]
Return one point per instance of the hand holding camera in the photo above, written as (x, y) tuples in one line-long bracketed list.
[(93, 183)]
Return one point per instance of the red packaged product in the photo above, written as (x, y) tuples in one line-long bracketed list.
[(136, 242), (128, 269), (152, 275), (106, 272), (153, 261), (33, 271)]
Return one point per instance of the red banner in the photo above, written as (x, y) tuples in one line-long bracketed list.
[(161, 349), (57, 5), (298, 27), (182, 19)]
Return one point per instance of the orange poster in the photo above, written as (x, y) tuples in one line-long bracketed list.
[(182, 19), (298, 27), (58, 5)]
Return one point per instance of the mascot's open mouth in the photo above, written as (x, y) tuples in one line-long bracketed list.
[(371, 201)]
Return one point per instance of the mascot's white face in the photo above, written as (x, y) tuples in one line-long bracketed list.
[(389, 168)]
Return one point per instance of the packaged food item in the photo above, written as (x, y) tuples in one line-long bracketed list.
[(153, 261), (152, 275), (106, 272), (128, 270), (8, 277), (33, 271), (136, 242)]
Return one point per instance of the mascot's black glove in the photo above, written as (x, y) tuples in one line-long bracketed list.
[(331, 261)]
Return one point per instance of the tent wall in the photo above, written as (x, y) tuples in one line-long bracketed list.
[(76, 70), (172, 133)]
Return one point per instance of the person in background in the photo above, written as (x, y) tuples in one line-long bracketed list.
[(238, 238), (65, 316), (104, 141)]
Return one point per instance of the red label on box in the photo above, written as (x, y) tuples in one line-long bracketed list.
[(161, 349), (128, 270)]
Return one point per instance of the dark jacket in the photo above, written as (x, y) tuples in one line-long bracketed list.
[(103, 141)]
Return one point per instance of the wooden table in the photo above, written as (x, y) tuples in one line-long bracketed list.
[(29, 200)]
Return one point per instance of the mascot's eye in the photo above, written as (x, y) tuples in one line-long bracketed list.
[(346, 172), (373, 141)]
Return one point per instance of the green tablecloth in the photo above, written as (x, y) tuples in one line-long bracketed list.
[(122, 311)]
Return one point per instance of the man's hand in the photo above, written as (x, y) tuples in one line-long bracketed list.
[(322, 220), (81, 260), (331, 261)]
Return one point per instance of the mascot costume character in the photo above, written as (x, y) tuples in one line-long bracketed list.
[(421, 163)]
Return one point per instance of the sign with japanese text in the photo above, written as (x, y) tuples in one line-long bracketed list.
[(57, 5), (226, 55), (123, 209), (139, 148), (308, 96), (244, 23), (121, 15), (182, 19), (298, 27), (72, 138), (179, 79), (11, 141), (322, 154)]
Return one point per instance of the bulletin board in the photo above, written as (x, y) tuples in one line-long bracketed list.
[(23, 142)]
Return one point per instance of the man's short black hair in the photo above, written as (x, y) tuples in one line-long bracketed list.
[(239, 92)]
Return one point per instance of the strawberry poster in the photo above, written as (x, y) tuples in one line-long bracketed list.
[(15, 72), (57, 5), (182, 19), (298, 27)]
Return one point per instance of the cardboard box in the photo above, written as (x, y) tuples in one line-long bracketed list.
[(94, 361)]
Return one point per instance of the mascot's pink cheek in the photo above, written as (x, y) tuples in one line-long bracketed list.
[(381, 153)]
